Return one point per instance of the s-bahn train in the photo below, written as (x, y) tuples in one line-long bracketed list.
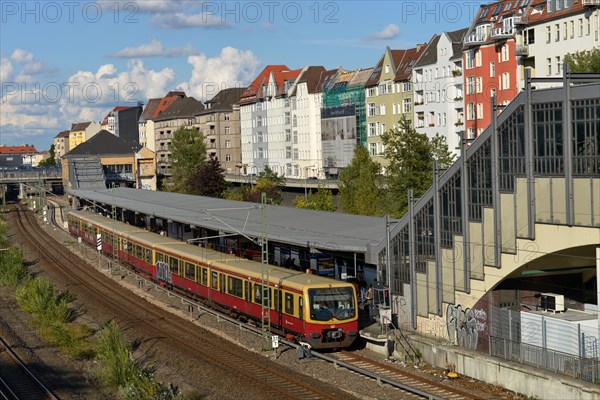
[(316, 310)]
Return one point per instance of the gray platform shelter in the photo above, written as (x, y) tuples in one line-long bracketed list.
[(317, 231)]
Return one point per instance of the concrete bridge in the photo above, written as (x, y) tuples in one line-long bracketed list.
[(30, 180), (514, 216)]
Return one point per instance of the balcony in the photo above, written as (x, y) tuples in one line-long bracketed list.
[(162, 162), (164, 136), (590, 3), (522, 50), (520, 20), (501, 34)]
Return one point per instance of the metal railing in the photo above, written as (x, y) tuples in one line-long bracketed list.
[(587, 369)]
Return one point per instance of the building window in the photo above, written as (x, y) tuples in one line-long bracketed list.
[(406, 106), (226, 117), (478, 58), (295, 154), (260, 153), (470, 85), (371, 92), (580, 24), (259, 137), (470, 59), (372, 131), (505, 53), (287, 119), (558, 66), (295, 120), (478, 84), (373, 149), (548, 34), (288, 135), (557, 32), (506, 80), (382, 109), (471, 111), (295, 137), (407, 87), (530, 36), (549, 63), (572, 23), (228, 144), (479, 111), (387, 69), (259, 121), (492, 69), (371, 109), (588, 26), (227, 130), (288, 152), (227, 157)]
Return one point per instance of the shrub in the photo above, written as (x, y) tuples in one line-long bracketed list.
[(117, 367), (12, 271), (39, 298)]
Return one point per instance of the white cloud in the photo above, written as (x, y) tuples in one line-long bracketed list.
[(181, 20), (389, 32), (6, 69), (148, 6), (30, 110), (153, 49), (22, 56), (231, 68)]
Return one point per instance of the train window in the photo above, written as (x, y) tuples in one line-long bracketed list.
[(289, 303), (300, 308), (260, 292), (160, 257), (214, 280), (247, 291), (222, 282), (277, 299), (174, 265), (234, 286), (204, 277), (129, 248), (190, 271), (138, 252), (148, 256)]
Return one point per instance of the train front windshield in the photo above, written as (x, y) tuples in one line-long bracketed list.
[(329, 303)]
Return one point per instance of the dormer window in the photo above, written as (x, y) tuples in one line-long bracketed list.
[(387, 69)]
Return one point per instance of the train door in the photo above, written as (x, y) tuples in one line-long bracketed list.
[(277, 306), (247, 296), (162, 272)]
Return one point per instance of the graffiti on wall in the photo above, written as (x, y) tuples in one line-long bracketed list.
[(464, 326)]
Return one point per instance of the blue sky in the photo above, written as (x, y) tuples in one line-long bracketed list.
[(65, 62)]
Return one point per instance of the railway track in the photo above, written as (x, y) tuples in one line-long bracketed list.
[(271, 379), (404, 378), (17, 382)]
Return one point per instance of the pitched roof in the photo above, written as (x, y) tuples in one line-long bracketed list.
[(80, 126), (63, 134), (312, 76), (149, 109), (181, 108), (17, 149), (328, 78), (223, 101), (166, 102), (456, 37), (493, 14), (112, 112), (104, 143), (410, 58), (395, 56), (538, 11), (429, 55), (254, 91)]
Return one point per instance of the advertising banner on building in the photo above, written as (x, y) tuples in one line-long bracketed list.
[(338, 137)]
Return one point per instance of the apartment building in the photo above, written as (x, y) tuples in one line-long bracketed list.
[(438, 89), (220, 124), (61, 144), (81, 132)]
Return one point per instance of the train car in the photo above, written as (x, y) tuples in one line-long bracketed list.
[(320, 311)]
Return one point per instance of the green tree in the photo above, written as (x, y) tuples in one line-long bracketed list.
[(50, 161), (410, 158), (209, 179), (584, 61), (440, 152), (188, 154), (321, 200), (359, 190), (268, 186)]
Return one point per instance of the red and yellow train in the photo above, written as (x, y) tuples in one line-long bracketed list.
[(320, 311)]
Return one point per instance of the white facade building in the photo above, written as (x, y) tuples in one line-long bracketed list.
[(547, 31), (438, 90)]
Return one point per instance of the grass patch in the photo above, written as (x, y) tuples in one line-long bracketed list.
[(12, 270), (117, 368)]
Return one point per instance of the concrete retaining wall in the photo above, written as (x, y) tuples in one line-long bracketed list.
[(531, 382)]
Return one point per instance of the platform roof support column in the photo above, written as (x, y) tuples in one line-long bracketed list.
[(529, 167), (496, 184), (568, 145), (412, 259), (598, 284), (436, 238), (464, 194)]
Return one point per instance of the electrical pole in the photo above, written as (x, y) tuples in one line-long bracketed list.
[(266, 290)]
